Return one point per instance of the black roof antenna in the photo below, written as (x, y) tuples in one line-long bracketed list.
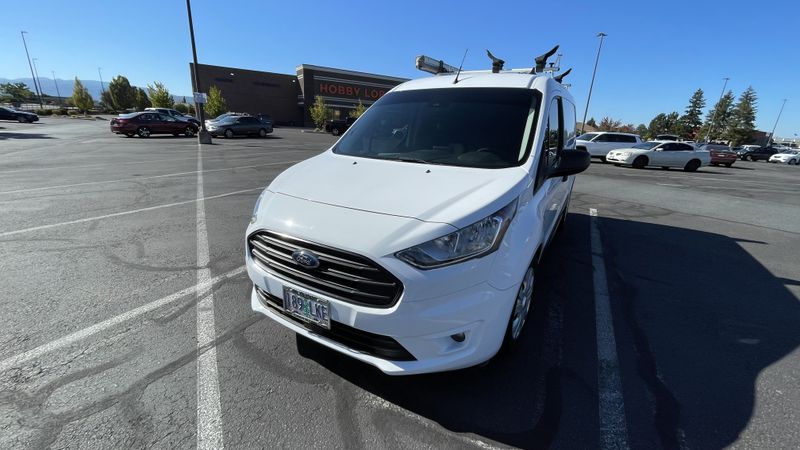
[(541, 60), (561, 76), (459, 67), (497, 63)]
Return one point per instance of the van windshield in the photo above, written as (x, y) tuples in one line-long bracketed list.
[(470, 127)]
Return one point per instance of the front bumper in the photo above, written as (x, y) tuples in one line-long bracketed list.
[(618, 158), (422, 327)]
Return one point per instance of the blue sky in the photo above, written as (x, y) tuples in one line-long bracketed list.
[(656, 53)]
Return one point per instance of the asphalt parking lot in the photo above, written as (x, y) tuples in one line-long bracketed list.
[(127, 321)]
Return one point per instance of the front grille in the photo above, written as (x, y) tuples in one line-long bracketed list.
[(343, 275), (358, 340)]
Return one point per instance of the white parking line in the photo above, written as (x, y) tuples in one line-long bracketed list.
[(209, 411), (123, 213), (123, 180), (17, 360), (611, 404)]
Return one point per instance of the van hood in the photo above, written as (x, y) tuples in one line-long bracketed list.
[(457, 196)]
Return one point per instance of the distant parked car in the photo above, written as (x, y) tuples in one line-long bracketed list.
[(224, 116), (791, 157), (339, 126), (239, 126), (175, 113), (757, 153), (600, 143), (664, 154), (721, 154), (146, 123), (19, 116)]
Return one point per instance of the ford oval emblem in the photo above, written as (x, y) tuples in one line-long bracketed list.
[(306, 259)]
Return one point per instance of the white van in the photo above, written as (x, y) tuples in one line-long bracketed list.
[(412, 243)]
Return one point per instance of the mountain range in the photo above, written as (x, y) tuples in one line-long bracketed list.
[(48, 87)]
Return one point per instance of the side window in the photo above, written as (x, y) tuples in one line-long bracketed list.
[(570, 132), (603, 138), (684, 147), (553, 140), (668, 147), (629, 139)]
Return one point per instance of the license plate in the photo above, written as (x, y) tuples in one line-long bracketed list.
[(307, 307)]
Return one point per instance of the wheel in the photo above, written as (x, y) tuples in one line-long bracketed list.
[(640, 162), (229, 133), (691, 166), (750, 158), (262, 133), (189, 131), (143, 132), (519, 312), (728, 164), (21, 119), (335, 131)]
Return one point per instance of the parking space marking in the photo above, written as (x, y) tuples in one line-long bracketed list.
[(123, 213), (176, 174), (209, 411), (610, 402), (60, 343)]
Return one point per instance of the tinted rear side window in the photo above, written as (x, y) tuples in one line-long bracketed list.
[(626, 138)]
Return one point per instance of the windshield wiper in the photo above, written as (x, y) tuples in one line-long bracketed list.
[(414, 160)]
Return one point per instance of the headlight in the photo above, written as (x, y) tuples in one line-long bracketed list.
[(480, 238), (624, 154), (254, 216)]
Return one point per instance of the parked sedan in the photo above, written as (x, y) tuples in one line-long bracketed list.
[(721, 154), (175, 113), (664, 154), (791, 157), (146, 123), (19, 116), (757, 153), (239, 126)]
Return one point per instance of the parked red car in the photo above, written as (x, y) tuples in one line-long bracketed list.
[(721, 154), (146, 123)]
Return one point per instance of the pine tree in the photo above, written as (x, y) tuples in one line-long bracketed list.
[(591, 122), (692, 119), (81, 97), (140, 101), (743, 118), (665, 124), (216, 103), (717, 119), (122, 93), (160, 96)]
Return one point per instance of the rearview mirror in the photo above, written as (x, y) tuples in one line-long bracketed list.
[(571, 163)]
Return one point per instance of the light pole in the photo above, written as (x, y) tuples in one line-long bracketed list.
[(37, 79), (601, 35), (56, 83), (772, 134), (203, 137), (103, 89), (31, 66), (714, 116)]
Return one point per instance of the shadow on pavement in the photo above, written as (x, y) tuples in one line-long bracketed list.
[(11, 135), (697, 319)]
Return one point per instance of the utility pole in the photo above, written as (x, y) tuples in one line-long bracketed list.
[(41, 105), (37, 79), (56, 83), (203, 137), (714, 116), (601, 35), (101, 80), (772, 134)]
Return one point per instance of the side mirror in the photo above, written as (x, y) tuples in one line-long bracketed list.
[(572, 162)]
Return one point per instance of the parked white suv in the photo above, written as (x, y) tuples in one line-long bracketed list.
[(412, 243), (598, 144)]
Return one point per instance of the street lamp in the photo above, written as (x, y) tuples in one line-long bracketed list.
[(103, 89), (56, 83), (714, 116), (31, 66), (37, 80), (772, 134), (203, 137), (601, 35)]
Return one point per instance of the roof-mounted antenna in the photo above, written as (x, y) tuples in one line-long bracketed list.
[(497, 63), (561, 76), (459, 67), (541, 61)]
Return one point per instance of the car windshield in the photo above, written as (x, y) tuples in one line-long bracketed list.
[(471, 127), (587, 136), (646, 145)]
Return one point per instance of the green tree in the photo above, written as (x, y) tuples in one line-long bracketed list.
[(692, 118), (641, 130), (122, 93), (591, 123), (160, 96), (190, 109), (106, 101), (216, 104), (718, 118), (181, 108), (81, 97), (608, 124), (15, 92), (743, 117), (359, 111), (140, 100), (319, 113), (664, 124)]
